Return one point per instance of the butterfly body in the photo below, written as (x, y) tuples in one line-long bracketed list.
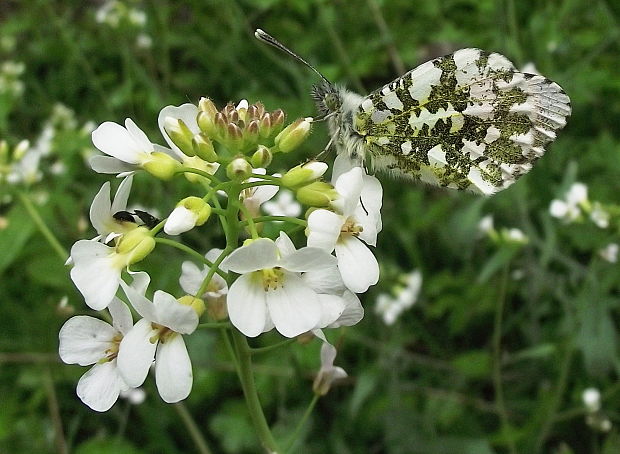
[(468, 120)]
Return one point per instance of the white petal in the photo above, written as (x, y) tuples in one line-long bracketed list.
[(186, 112), (173, 370), (140, 303), (100, 386), (136, 353), (121, 316), (174, 315), (138, 136), (332, 307), (353, 312), (108, 164), (213, 254), (325, 280), (246, 305), (140, 281), (307, 259), (84, 340), (294, 307), (191, 277), (100, 209), (95, 273), (342, 164), (358, 266), (265, 193), (180, 220), (349, 187), (116, 141), (122, 195), (284, 244), (258, 255), (324, 229)]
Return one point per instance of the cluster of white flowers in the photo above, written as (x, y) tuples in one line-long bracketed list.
[(10, 82), (515, 236), (575, 207), (405, 295), (117, 13), (263, 284), (595, 418)]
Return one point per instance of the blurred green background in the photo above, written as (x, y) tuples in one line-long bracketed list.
[(449, 376)]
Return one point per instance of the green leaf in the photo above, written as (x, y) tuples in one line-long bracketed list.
[(14, 236)]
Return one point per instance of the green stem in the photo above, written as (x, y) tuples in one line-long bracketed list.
[(192, 428), (246, 376), (197, 255), (302, 422), (202, 173), (258, 219), (497, 362), (249, 221), (272, 347), (43, 228), (212, 270)]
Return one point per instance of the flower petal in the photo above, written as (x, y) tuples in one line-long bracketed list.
[(140, 303), (121, 316), (191, 277), (246, 305), (188, 113), (342, 164), (100, 386), (258, 255), (122, 195), (332, 307), (173, 370), (358, 266), (307, 259), (174, 315), (353, 312), (84, 340), (108, 164), (180, 220), (284, 244), (324, 229), (136, 353), (349, 187), (138, 136), (325, 280), (100, 209), (294, 307), (95, 273), (116, 141)]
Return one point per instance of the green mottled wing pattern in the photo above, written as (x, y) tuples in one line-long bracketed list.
[(468, 120)]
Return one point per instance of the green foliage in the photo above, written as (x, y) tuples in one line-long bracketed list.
[(426, 384)]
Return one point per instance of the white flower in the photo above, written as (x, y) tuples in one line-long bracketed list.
[(390, 308), (284, 205), (180, 220), (514, 235), (158, 335), (254, 196), (485, 225), (357, 218), (102, 211), (135, 396), (127, 148), (591, 399), (270, 291), (86, 340), (600, 216), (569, 209), (216, 291), (328, 373), (610, 252)]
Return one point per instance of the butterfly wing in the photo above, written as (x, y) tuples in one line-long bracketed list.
[(468, 120)]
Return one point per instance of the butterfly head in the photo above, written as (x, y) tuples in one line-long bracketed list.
[(327, 97)]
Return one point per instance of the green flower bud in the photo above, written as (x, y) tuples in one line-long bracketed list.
[(161, 165), (199, 164), (318, 194), (304, 174), (203, 147), (200, 208), (293, 135), (261, 157), (180, 134), (264, 126), (207, 106), (136, 244), (195, 303), (206, 123), (239, 169)]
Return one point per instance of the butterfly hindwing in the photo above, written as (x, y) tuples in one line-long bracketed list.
[(468, 120)]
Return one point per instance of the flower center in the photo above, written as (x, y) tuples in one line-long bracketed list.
[(272, 278), (112, 352), (350, 227), (162, 335)]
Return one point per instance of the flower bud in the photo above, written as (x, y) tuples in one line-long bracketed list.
[(161, 165), (203, 147), (189, 212), (293, 135), (265, 128), (239, 169), (261, 157), (199, 164), (242, 109), (304, 174), (206, 123), (195, 303), (277, 120), (180, 134), (234, 132), (318, 194), (207, 106), (136, 245)]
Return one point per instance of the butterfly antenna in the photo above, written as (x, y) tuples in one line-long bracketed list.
[(265, 37)]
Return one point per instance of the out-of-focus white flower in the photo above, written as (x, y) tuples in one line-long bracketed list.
[(158, 336), (391, 307), (514, 235), (355, 224), (328, 373), (25, 166), (144, 41), (485, 226), (599, 215), (10, 83), (86, 340), (610, 252), (113, 13), (135, 396), (255, 196), (283, 205), (591, 399), (569, 209), (270, 291)]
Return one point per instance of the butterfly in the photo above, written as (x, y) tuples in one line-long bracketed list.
[(468, 120)]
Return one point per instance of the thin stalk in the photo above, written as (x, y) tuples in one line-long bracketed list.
[(258, 219), (497, 361), (249, 221), (207, 175), (54, 409), (197, 255), (272, 347), (212, 270), (192, 428), (302, 421), (43, 228)]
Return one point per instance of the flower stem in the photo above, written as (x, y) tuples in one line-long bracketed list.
[(292, 220), (197, 255), (272, 347), (192, 428), (302, 422), (246, 376), (249, 220), (42, 226), (212, 270)]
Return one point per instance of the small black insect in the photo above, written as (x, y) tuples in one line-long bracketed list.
[(149, 220), (124, 216)]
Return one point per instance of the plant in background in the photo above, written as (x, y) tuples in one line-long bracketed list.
[(253, 282)]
